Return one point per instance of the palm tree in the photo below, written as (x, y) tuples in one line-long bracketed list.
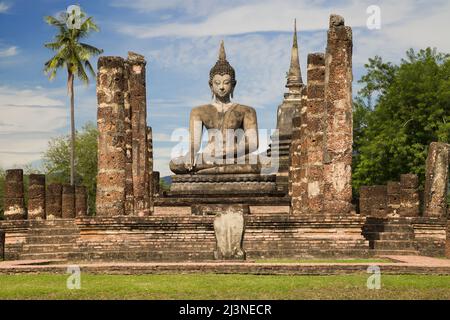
[(73, 55)]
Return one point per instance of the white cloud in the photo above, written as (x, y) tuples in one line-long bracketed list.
[(258, 16), (29, 118), (4, 7), (9, 52)]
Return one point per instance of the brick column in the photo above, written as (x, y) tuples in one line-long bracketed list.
[(137, 91), (36, 196), (111, 142), (53, 201), (68, 202), (436, 183), (409, 195), (315, 131), (80, 201), (339, 122), (14, 204)]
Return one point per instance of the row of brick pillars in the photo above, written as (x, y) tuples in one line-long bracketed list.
[(44, 202), (125, 157)]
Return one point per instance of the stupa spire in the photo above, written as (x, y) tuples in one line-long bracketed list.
[(294, 78)]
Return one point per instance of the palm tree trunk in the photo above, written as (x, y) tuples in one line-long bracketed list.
[(72, 128)]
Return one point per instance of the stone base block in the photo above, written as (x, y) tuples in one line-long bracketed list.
[(227, 184)]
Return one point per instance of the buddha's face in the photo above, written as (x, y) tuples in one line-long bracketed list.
[(222, 85)]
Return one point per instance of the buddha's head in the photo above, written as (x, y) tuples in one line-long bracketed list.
[(222, 77)]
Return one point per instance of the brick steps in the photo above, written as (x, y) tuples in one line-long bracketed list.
[(391, 236)]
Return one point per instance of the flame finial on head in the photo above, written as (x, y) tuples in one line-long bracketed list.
[(222, 66)]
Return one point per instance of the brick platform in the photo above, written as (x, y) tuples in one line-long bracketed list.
[(170, 238)]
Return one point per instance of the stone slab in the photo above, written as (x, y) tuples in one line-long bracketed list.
[(229, 226)]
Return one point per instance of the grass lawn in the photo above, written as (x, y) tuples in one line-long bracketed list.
[(210, 286)]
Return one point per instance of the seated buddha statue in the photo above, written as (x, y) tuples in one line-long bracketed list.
[(232, 130)]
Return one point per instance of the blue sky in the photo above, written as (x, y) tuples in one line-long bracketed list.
[(180, 39)]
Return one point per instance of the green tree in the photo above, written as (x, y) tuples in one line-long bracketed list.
[(400, 110), (56, 160), (72, 55)]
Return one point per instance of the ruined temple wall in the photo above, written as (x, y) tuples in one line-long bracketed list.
[(339, 123), (111, 176)]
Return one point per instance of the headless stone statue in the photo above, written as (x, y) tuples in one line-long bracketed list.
[(232, 130)]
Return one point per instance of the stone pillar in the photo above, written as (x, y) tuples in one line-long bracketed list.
[(315, 131), (373, 201), (339, 123), (409, 195), (110, 200), (80, 201), (36, 196), (14, 204), (137, 90), (53, 201), (68, 202), (393, 197), (436, 183), (2, 245)]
